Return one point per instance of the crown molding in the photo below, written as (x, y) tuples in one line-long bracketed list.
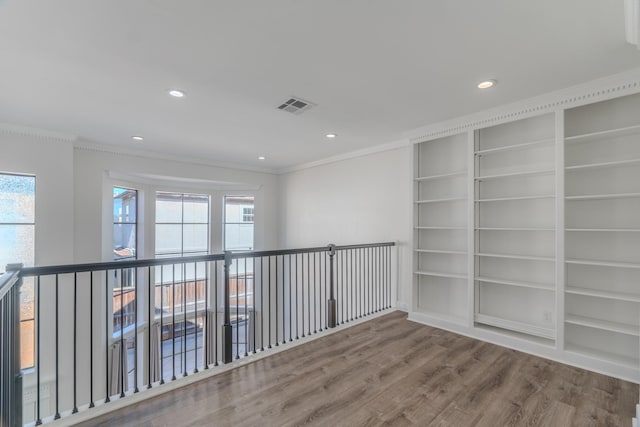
[(14, 129), (129, 152), (610, 87), (349, 155)]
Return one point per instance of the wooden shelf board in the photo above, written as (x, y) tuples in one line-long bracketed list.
[(629, 130), (621, 296), (629, 362), (603, 164), (523, 257), (438, 251), (515, 147), (604, 196), (506, 199), (441, 274), (539, 331), (518, 283), (447, 199), (603, 263), (516, 174), (605, 325), (441, 176)]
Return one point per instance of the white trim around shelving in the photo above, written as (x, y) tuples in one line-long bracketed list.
[(419, 227), (446, 199), (516, 174), (605, 325), (439, 251), (514, 229), (597, 293), (623, 230), (514, 147), (441, 176), (603, 263), (623, 131), (507, 199), (517, 283), (603, 164), (522, 257), (603, 196), (440, 274), (512, 325)]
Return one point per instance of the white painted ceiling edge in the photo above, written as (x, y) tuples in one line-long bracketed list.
[(585, 93), (571, 96)]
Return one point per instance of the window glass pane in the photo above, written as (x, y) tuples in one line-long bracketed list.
[(195, 237), (17, 199), (16, 245), (26, 344), (238, 237), (168, 207), (196, 208), (168, 239), (235, 208), (124, 205), (124, 241)]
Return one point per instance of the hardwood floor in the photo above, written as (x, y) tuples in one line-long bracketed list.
[(390, 371)]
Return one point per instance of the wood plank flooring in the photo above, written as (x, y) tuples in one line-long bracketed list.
[(389, 371)]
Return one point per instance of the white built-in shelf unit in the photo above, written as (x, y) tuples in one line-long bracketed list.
[(527, 232)]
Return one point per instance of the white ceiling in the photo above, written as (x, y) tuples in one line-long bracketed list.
[(376, 68)]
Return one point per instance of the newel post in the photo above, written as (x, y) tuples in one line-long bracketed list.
[(331, 304), (227, 330)]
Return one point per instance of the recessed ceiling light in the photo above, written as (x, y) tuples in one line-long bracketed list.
[(137, 138), (176, 93), (487, 84), (261, 158), (331, 135)]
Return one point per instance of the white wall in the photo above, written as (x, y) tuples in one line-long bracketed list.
[(359, 200)]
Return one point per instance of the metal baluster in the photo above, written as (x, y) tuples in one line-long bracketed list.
[(149, 327), (315, 297), (284, 305), (91, 403), (253, 302), (297, 294), (302, 289), (309, 291), (195, 305), (269, 314), (57, 415), (75, 343), (205, 338), (135, 331), (183, 339), (262, 299), (106, 335), (122, 350), (246, 312), (161, 323), (173, 322), (38, 417), (290, 304), (215, 314), (237, 310), (276, 311)]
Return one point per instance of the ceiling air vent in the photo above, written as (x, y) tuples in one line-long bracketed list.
[(296, 105)]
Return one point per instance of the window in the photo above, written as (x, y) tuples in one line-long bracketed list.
[(125, 233), (238, 223), (17, 234), (182, 229)]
